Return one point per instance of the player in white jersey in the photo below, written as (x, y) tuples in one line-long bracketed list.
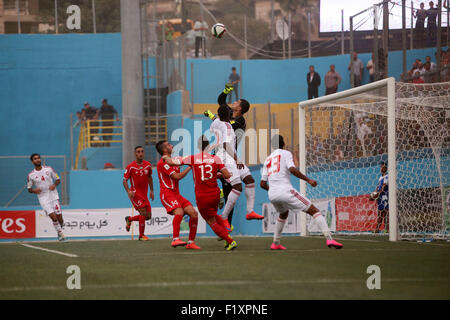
[(275, 178), (225, 150), (45, 180)]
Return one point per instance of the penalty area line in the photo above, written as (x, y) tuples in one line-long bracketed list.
[(71, 255)]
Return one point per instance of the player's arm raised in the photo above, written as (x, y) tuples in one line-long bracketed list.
[(301, 176)]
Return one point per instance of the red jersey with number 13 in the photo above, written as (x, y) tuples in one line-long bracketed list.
[(204, 170)]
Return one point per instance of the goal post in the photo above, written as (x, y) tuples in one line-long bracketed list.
[(346, 136), (388, 83)]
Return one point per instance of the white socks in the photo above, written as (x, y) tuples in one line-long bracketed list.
[(250, 195), (231, 201), (322, 223), (278, 230), (57, 226)]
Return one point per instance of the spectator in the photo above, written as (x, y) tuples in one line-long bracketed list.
[(200, 27), (90, 113), (358, 69), (421, 69), (234, 80), (313, 81), (433, 66), (428, 76), (363, 131), (79, 119), (107, 112), (420, 15), (108, 166), (413, 69), (431, 22), (371, 69), (332, 81), (417, 78)]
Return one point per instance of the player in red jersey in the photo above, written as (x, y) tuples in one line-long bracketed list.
[(171, 198), (139, 172), (205, 169)]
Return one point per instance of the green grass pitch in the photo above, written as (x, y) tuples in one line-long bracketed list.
[(124, 269)]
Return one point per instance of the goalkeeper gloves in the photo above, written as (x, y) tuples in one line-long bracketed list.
[(209, 114), (228, 88)]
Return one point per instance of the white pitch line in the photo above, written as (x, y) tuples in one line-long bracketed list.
[(221, 283), (49, 250)]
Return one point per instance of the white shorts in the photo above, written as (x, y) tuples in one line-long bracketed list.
[(237, 175), (289, 199), (51, 207)]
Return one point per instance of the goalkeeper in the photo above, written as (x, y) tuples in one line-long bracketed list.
[(237, 111)]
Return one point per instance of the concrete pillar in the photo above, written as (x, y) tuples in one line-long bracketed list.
[(132, 85)]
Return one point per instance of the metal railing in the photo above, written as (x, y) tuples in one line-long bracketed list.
[(92, 134)]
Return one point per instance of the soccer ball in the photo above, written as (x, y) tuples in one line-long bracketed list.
[(218, 30), (374, 195)]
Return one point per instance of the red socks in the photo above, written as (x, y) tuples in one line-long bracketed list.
[(134, 218), (176, 225), (221, 232), (141, 220), (192, 228)]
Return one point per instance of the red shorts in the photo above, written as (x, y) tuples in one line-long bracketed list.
[(140, 201), (172, 201), (208, 204)]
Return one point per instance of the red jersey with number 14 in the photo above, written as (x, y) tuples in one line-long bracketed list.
[(204, 170), (138, 175), (165, 172)]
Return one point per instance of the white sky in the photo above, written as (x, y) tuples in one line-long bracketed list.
[(330, 14)]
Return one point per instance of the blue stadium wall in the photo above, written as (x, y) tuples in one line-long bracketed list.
[(44, 78)]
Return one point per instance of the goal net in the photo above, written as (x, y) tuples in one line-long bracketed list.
[(345, 139)]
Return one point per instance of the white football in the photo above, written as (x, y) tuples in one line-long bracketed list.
[(374, 195), (218, 30)]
